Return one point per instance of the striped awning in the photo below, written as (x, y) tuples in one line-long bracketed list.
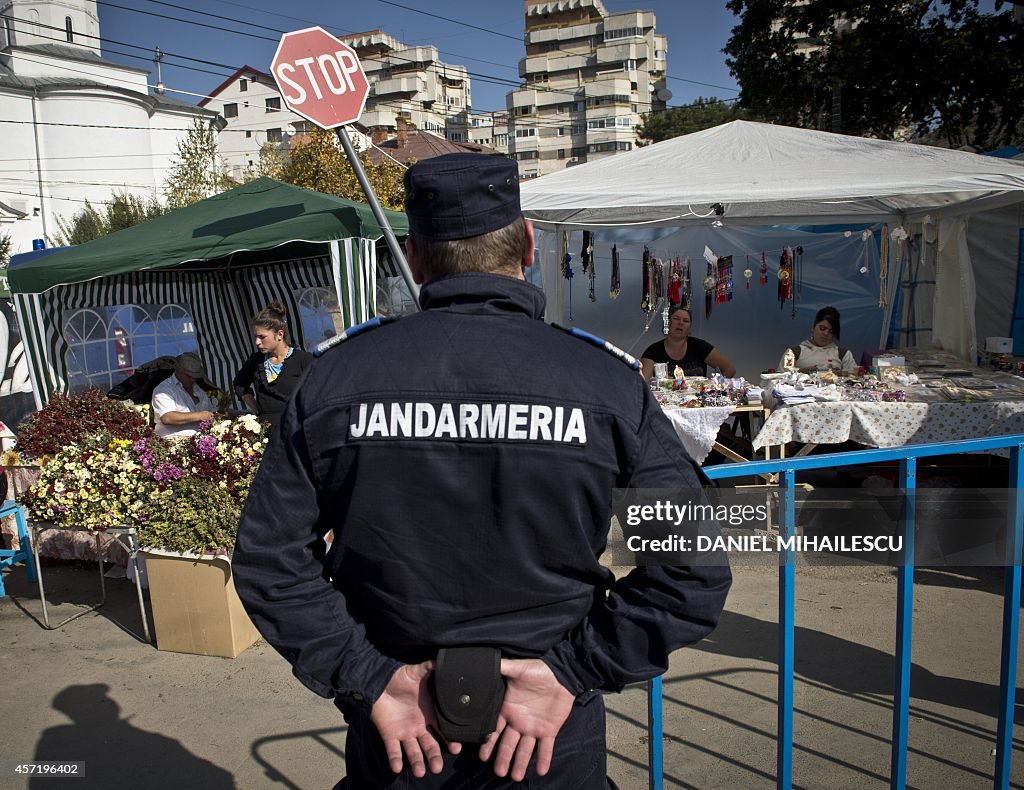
[(221, 300)]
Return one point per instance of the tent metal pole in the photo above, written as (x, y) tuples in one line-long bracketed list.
[(378, 212)]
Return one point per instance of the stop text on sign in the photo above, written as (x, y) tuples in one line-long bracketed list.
[(332, 70)]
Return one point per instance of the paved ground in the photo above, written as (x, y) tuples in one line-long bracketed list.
[(144, 718)]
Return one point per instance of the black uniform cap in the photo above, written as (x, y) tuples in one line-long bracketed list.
[(457, 196)]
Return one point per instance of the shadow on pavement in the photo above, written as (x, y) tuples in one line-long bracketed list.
[(115, 753), (848, 666)]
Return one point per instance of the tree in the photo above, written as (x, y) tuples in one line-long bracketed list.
[(272, 161), (316, 161), (5, 258), (5, 248), (84, 226), (702, 114), (880, 68), (197, 172), (122, 211)]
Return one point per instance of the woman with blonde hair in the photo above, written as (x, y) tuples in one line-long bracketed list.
[(272, 373)]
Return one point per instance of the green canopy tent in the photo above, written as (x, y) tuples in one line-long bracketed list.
[(209, 266)]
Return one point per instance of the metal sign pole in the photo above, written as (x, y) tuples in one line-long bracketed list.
[(378, 212)]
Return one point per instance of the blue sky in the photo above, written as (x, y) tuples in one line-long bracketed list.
[(488, 42)]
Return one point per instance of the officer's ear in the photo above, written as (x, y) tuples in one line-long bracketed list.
[(410, 257), (528, 247)]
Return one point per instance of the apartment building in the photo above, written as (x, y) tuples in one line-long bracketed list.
[(588, 76), (486, 128), (410, 83)]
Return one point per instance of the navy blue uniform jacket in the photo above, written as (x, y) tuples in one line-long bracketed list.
[(465, 458)]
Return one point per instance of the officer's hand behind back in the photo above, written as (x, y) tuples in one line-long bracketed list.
[(536, 706)]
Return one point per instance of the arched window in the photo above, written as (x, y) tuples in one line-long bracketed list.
[(320, 315), (69, 30), (106, 343)]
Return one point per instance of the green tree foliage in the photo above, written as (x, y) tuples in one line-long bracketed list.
[(5, 248), (5, 256), (122, 211), (702, 114), (197, 172), (272, 161), (316, 161), (878, 68)]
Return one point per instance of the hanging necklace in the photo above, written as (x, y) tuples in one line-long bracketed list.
[(587, 258), (646, 303), (883, 265), (616, 285), (273, 369), (567, 268)]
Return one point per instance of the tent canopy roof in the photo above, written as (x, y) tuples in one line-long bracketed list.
[(260, 215), (763, 174)]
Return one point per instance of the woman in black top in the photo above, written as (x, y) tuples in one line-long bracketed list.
[(692, 354), (270, 376)]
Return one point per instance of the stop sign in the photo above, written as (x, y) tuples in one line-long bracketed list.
[(320, 77)]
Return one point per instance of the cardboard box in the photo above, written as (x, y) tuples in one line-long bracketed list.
[(195, 606)]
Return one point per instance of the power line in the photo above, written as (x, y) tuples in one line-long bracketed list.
[(489, 78), (527, 122), (538, 123), (448, 19), (434, 67)]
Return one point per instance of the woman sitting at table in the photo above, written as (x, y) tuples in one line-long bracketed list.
[(692, 354), (270, 376), (821, 351)]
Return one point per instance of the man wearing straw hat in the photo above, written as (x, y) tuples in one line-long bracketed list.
[(465, 459)]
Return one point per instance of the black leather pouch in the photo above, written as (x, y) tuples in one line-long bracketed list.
[(468, 692)]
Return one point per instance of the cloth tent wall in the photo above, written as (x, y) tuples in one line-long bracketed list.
[(221, 300), (753, 330), (994, 240), (763, 175)]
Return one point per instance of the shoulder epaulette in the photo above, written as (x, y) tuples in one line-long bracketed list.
[(351, 332), (601, 343)]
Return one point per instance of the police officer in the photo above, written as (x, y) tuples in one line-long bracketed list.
[(465, 458)]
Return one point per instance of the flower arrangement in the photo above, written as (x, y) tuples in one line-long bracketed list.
[(182, 495), (96, 484), (71, 419), (226, 451)]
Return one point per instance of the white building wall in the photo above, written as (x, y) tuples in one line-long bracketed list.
[(45, 22), (82, 155), (64, 144), (18, 186), (32, 63), (167, 127), (247, 131)]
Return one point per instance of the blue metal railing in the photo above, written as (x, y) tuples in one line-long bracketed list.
[(786, 469)]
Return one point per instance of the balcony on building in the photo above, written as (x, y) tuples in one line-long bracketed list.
[(406, 87), (637, 51), (372, 43), (628, 24)]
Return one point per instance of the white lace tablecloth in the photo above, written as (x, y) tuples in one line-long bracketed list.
[(698, 428), (889, 424)]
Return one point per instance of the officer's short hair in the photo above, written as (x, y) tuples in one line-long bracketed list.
[(498, 252), (464, 214)]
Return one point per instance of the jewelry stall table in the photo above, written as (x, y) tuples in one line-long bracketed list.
[(126, 537), (888, 424)]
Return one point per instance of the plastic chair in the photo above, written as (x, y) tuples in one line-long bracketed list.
[(9, 557)]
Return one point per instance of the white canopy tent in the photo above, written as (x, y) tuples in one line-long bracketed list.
[(751, 174)]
